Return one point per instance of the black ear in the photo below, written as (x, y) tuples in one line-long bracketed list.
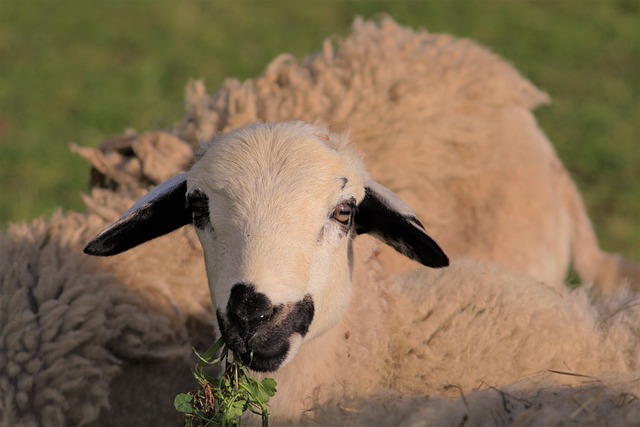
[(383, 215), (159, 212)]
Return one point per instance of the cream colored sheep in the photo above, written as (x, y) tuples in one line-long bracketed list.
[(276, 206), (437, 118)]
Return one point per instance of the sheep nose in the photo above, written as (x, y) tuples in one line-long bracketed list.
[(248, 308)]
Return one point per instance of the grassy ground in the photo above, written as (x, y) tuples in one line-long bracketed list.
[(83, 70)]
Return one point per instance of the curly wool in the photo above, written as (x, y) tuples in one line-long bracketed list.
[(53, 336), (72, 326)]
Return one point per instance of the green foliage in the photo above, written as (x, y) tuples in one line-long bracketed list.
[(222, 399), (184, 403), (83, 70)]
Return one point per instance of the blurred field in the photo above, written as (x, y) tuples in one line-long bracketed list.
[(83, 70)]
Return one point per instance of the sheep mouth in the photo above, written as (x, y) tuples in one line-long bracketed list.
[(271, 344)]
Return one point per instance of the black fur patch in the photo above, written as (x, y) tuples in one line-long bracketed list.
[(198, 206), (257, 331), (154, 219), (403, 233)]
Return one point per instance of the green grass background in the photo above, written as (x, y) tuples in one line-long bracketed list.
[(83, 70)]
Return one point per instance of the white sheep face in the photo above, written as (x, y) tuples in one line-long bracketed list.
[(275, 207)]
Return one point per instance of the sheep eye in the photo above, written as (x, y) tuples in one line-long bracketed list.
[(343, 213), (198, 204)]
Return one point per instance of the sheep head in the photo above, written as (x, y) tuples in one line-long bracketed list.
[(275, 207)]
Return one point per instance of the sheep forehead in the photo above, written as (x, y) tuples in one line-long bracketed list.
[(284, 164)]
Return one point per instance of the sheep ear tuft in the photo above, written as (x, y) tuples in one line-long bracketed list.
[(384, 215), (159, 212)]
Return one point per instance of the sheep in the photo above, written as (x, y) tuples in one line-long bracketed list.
[(57, 367), (276, 208), (455, 117)]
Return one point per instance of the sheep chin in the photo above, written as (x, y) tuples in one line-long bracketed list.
[(271, 363)]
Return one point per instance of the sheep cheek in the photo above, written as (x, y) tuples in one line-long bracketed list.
[(211, 263), (331, 290)]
